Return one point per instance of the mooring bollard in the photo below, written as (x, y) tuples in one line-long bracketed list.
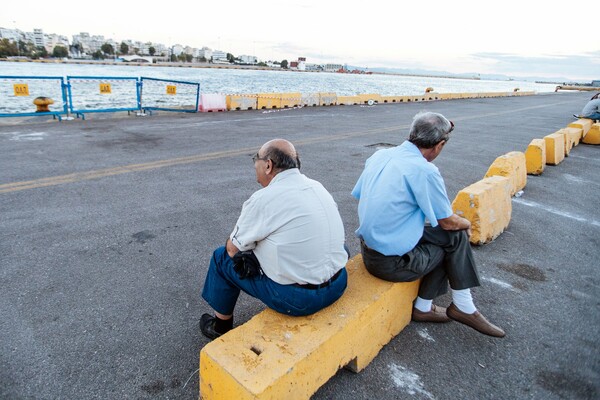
[(42, 104)]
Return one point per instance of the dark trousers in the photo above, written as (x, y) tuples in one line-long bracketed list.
[(439, 257)]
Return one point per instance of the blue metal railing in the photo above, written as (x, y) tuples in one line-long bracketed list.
[(152, 91), (97, 94), (24, 87)]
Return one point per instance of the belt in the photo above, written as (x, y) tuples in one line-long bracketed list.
[(322, 285)]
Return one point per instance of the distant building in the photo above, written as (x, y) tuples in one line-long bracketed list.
[(332, 67), (205, 53), (219, 56), (596, 83), (39, 40), (14, 35), (301, 63), (248, 59), (89, 44)]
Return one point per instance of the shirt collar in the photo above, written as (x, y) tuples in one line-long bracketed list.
[(284, 174)]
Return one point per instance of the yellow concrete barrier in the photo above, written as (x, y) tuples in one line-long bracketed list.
[(535, 157), (310, 99), (568, 141), (583, 123), (574, 133), (487, 205), (365, 98), (274, 356), (328, 99), (348, 100), (290, 100), (391, 99), (555, 148), (267, 101), (241, 102), (593, 135), (513, 166)]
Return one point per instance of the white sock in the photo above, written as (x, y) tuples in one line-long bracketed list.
[(463, 301), (423, 304)]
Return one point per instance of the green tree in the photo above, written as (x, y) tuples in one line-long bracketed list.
[(8, 48), (202, 59), (124, 48), (60, 52), (230, 58), (284, 64), (40, 52), (98, 55), (107, 48), (152, 50)]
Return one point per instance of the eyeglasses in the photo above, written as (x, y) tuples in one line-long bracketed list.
[(451, 126), (257, 157)]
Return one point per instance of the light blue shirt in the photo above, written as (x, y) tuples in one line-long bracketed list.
[(397, 191)]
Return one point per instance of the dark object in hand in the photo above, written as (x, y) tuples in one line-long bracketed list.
[(246, 265)]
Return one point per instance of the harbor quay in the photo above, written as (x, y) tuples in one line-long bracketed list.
[(108, 225)]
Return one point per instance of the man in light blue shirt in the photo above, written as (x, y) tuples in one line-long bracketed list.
[(408, 230)]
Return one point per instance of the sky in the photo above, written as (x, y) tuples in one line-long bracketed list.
[(517, 38)]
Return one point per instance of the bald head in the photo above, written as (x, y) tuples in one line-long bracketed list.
[(282, 153)]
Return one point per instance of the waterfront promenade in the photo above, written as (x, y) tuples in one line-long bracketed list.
[(107, 226)]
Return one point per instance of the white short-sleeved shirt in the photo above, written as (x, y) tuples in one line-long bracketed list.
[(295, 229)]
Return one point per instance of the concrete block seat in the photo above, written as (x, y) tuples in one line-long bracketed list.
[(274, 356)]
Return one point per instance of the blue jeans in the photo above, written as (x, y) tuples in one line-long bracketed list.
[(222, 287), (594, 116)]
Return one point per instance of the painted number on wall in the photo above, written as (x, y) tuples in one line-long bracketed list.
[(171, 89), (21, 89), (105, 88)]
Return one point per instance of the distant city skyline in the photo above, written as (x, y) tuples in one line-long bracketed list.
[(514, 38)]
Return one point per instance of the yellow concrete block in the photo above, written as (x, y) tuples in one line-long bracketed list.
[(593, 135), (274, 356), (583, 123), (289, 100), (487, 205), (513, 166), (328, 99), (348, 100), (241, 102), (555, 148), (391, 99), (365, 98), (310, 99), (535, 157), (568, 140), (268, 101), (575, 133)]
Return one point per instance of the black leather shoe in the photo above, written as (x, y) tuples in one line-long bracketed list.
[(207, 326)]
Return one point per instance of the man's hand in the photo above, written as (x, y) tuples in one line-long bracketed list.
[(455, 223), (231, 249)]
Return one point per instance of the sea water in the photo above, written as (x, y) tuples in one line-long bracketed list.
[(247, 81)]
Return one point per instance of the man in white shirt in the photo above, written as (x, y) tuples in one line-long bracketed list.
[(293, 229)]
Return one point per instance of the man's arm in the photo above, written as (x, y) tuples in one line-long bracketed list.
[(231, 249), (455, 223)]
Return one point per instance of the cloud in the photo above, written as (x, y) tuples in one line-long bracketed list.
[(584, 65)]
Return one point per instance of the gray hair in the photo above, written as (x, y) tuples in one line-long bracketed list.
[(428, 129)]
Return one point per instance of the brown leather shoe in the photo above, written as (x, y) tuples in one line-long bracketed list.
[(437, 314), (476, 321)]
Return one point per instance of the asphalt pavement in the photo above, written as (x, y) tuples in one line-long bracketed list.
[(107, 226)]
